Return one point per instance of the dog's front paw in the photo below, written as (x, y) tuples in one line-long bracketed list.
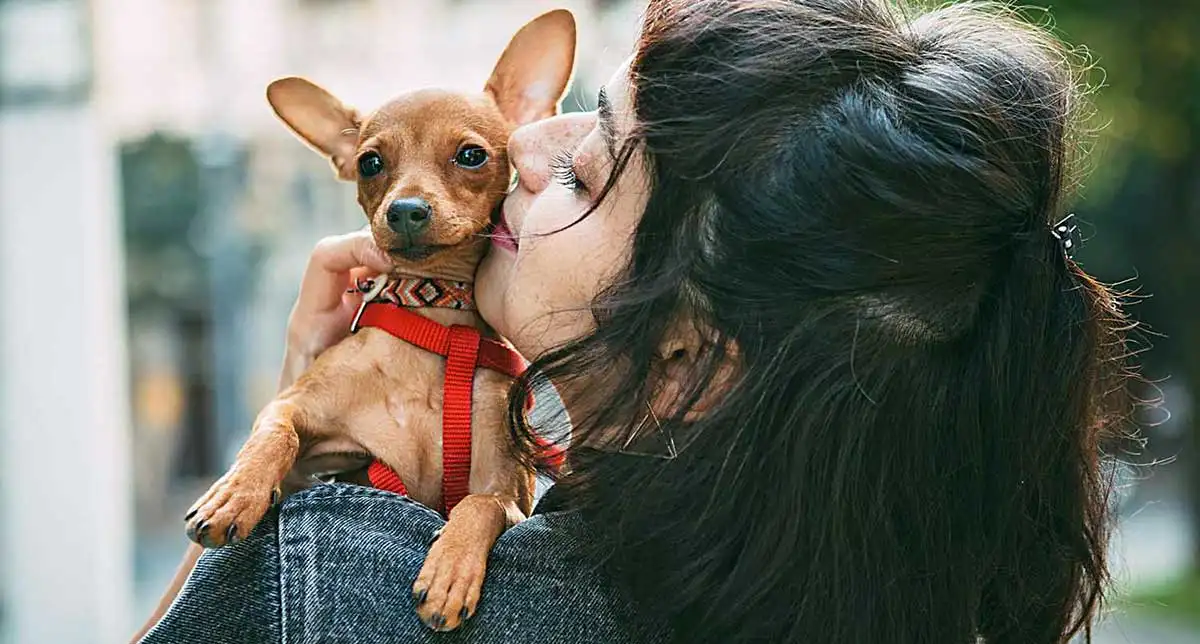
[(447, 589), (229, 510)]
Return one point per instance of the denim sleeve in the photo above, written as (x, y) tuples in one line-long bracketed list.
[(336, 563)]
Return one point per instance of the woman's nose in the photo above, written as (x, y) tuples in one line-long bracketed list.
[(531, 148)]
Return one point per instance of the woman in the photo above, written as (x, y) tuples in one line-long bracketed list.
[(832, 375)]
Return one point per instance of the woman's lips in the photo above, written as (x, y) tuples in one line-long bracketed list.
[(502, 235)]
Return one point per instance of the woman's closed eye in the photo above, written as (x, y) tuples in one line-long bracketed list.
[(563, 168)]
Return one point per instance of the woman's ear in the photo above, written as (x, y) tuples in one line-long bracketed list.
[(682, 357)]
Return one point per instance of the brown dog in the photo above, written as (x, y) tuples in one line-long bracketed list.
[(431, 168)]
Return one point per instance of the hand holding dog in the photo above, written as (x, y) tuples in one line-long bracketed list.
[(324, 308)]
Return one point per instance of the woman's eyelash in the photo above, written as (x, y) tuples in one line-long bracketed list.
[(563, 168)]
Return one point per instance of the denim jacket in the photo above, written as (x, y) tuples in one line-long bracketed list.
[(336, 563)]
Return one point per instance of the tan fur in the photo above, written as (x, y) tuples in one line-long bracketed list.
[(373, 394)]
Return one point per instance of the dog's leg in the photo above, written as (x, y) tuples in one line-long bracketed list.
[(448, 587), (312, 410), (236, 502)]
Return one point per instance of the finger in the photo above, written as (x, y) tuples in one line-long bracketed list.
[(329, 269), (344, 252)]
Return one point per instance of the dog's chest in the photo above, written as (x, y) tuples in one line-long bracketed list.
[(413, 400), (402, 425)]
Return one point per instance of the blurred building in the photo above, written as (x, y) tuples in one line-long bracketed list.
[(192, 225)]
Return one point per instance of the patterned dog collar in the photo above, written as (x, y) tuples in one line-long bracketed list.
[(420, 292)]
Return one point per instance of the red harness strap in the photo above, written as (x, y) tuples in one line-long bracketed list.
[(420, 331), (385, 478), (465, 350), (456, 414)]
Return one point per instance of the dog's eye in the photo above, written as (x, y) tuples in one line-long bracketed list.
[(369, 165), (471, 157)]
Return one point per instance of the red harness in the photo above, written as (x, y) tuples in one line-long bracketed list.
[(385, 307)]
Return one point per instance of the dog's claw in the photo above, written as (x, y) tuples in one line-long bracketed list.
[(196, 531), (230, 510), (436, 622), (454, 569), (420, 596), (275, 494), (191, 513)]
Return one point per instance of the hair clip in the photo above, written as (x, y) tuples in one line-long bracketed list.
[(1066, 232)]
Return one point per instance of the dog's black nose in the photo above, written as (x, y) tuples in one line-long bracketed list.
[(409, 216)]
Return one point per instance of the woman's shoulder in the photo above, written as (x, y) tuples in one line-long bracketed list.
[(337, 563)]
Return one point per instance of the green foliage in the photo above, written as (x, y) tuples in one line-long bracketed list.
[(160, 187), (1144, 194), (1147, 77), (1178, 600), (161, 201)]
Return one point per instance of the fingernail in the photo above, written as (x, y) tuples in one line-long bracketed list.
[(231, 533)]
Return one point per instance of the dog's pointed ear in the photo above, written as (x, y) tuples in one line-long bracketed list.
[(320, 119), (532, 74)]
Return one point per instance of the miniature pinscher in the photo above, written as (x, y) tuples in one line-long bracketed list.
[(432, 169)]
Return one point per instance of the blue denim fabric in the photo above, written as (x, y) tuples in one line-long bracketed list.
[(336, 563)]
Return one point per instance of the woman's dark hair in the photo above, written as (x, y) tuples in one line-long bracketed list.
[(853, 202)]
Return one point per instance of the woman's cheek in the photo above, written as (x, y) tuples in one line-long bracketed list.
[(543, 305), (548, 286), (554, 209)]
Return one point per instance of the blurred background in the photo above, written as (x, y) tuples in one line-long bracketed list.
[(155, 218)]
